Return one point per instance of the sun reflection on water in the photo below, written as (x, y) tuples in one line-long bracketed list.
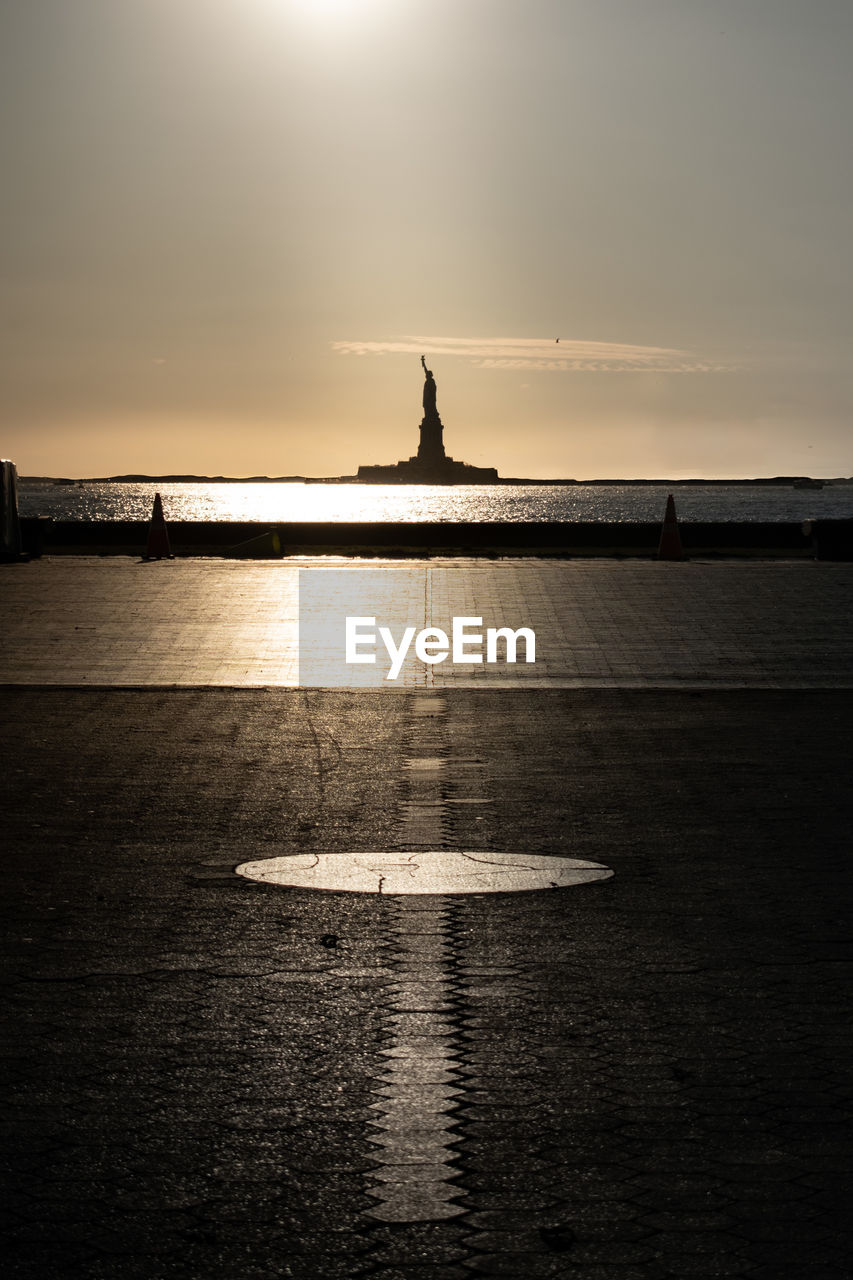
[(283, 502)]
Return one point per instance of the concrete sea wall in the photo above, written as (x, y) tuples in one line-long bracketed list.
[(826, 539)]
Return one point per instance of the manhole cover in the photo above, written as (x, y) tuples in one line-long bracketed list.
[(434, 871)]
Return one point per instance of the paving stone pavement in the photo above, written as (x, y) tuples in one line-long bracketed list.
[(644, 1077), (741, 624)]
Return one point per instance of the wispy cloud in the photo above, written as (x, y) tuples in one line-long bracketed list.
[(572, 354)]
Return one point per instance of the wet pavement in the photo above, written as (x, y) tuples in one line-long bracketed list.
[(643, 1076), (601, 623)]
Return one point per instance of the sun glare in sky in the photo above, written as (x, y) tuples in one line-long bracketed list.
[(225, 222), (335, 9), (330, 6)]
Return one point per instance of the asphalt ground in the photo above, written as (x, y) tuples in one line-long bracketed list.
[(649, 1076), (652, 1071)]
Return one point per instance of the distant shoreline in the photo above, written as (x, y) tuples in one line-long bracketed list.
[(786, 481)]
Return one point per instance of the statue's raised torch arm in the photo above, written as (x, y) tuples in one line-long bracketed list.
[(429, 389)]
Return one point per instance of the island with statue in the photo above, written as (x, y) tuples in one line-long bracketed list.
[(430, 465)]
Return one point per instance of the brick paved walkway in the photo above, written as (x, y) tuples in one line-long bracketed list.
[(598, 624)]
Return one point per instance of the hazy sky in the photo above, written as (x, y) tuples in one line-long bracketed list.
[(231, 227)]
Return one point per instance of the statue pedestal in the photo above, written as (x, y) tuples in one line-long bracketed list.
[(431, 448)]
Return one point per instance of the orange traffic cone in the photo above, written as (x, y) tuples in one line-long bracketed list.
[(669, 547), (158, 535)]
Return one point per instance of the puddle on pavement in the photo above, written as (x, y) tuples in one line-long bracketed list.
[(431, 871), (424, 764)]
